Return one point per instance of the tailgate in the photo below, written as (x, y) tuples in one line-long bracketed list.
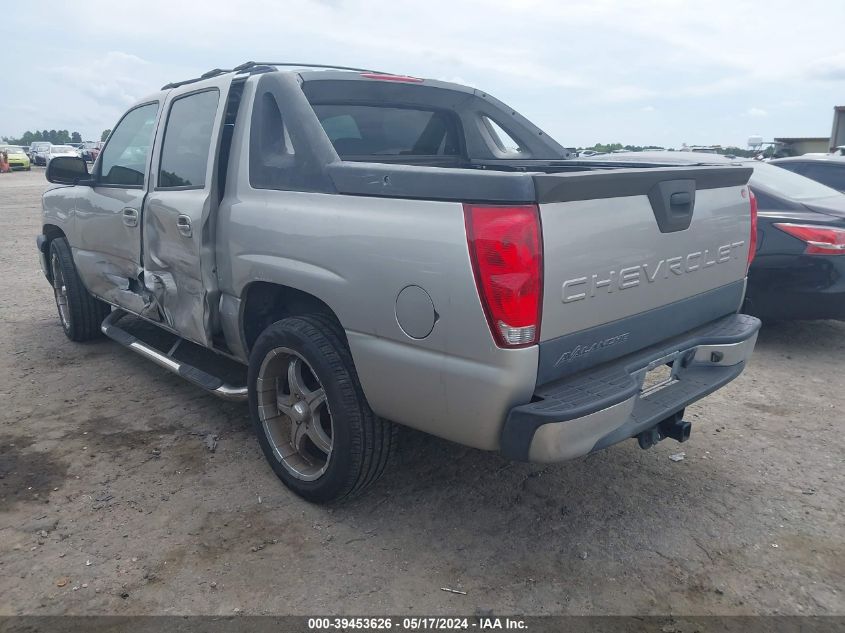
[(635, 256)]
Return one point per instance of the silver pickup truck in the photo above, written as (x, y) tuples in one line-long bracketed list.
[(372, 249)]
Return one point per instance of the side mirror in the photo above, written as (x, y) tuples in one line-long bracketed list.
[(68, 170)]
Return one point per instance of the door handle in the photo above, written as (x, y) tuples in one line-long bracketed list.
[(130, 216), (183, 223)]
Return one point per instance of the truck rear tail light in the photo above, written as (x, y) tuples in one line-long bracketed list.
[(506, 250), (752, 240), (820, 240)]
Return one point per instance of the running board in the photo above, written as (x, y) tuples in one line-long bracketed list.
[(193, 374)]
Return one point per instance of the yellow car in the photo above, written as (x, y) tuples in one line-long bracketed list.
[(17, 157)]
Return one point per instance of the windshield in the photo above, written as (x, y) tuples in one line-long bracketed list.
[(787, 183), (62, 149), (12, 149)]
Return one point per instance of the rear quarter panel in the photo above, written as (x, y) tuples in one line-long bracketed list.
[(356, 254)]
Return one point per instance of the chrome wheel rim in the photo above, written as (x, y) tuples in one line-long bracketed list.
[(60, 291), (294, 413)]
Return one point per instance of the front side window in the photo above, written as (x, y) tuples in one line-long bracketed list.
[(124, 159), (187, 141)]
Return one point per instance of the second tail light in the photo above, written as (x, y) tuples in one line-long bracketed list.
[(820, 240)]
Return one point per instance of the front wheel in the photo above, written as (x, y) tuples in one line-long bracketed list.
[(310, 414), (80, 313)]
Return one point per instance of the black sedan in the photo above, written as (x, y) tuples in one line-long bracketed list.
[(799, 268)]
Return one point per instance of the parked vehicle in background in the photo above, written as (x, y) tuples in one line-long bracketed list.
[(827, 169), (799, 269), (17, 157), (378, 248), (38, 151), (90, 150), (55, 151)]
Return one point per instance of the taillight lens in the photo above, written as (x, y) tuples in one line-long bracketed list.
[(506, 250), (752, 240), (820, 240)]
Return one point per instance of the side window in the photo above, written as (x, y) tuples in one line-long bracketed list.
[(124, 159), (504, 142), (187, 141)]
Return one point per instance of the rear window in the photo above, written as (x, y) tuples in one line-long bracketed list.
[(375, 130), (788, 184), (830, 175)]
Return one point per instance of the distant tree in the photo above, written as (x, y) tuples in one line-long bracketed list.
[(105, 135), (53, 136)]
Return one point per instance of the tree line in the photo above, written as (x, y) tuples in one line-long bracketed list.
[(606, 148), (57, 137)]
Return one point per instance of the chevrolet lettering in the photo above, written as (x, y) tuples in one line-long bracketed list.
[(631, 276)]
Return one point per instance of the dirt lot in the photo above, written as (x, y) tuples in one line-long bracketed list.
[(111, 500)]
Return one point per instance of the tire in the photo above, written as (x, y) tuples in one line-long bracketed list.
[(337, 448), (79, 313)]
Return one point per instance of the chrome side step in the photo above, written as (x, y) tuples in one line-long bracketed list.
[(193, 374)]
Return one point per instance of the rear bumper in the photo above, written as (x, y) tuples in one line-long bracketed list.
[(605, 405), (797, 287)]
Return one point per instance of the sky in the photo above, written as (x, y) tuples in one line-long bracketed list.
[(644, 72)]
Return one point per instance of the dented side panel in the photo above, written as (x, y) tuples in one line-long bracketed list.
[(180, 215), (107, 250)]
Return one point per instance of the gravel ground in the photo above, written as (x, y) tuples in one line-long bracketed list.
[(112, 501)]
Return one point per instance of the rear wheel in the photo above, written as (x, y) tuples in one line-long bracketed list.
[(80, 313), (310, 414)]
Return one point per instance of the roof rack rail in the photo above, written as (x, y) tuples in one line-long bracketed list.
[(262, 66), (248, 65), (211, 73)]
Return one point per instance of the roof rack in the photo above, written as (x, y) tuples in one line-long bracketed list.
[(263, 67), (248, 65)]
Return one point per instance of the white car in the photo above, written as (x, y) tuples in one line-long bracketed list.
[(60, 150)]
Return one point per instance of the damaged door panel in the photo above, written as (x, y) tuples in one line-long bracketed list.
[(178, 221), (108, 248)]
